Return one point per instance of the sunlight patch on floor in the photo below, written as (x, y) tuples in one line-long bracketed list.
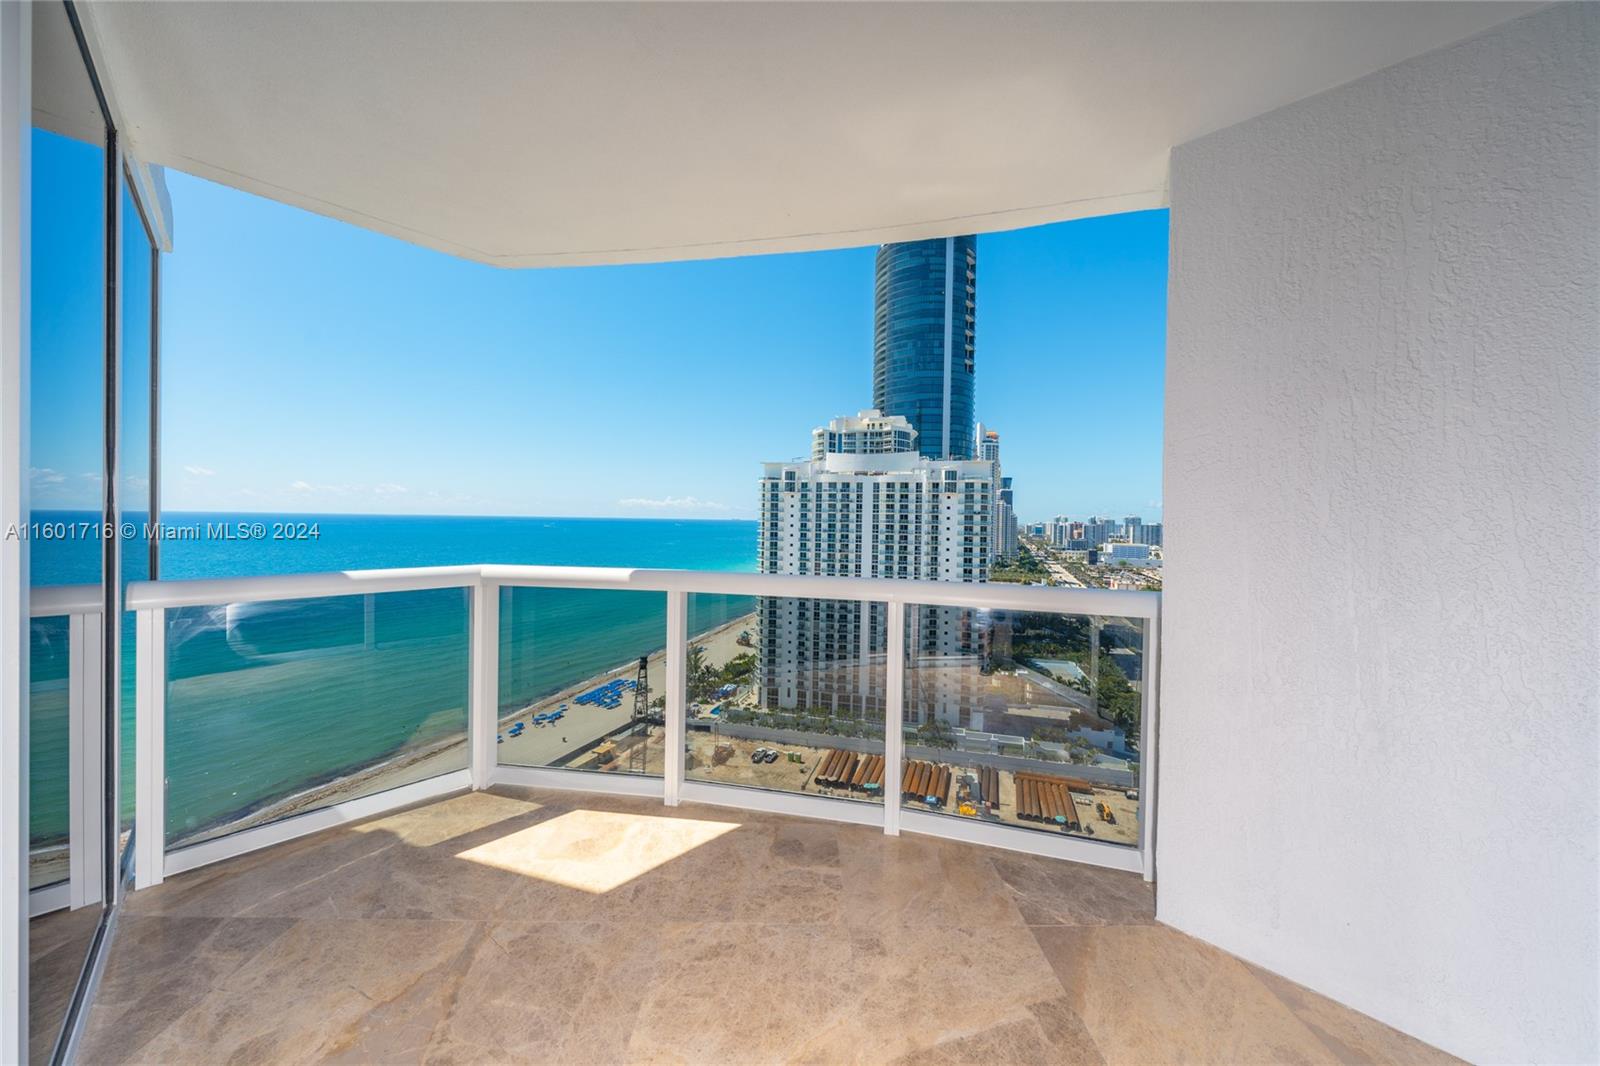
[(595, 851)]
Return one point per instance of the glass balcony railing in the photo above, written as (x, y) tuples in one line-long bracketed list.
[(788, 696), (582, 680), (65, 749), (49, 733), (997, 713), (277, 708), (1025, 719)]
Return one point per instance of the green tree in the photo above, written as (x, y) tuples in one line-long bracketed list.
[(701, 679)]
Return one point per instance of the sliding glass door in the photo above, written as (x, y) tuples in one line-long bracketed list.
[(93, 269), (71, 376)]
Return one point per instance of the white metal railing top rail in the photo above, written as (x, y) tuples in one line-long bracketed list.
[(209, 592), (50, 601), (997, 595), (152, 599)]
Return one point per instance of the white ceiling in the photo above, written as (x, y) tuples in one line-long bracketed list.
[(63, 96), (565, 134)]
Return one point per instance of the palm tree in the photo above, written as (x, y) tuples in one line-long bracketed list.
[(698, 674)]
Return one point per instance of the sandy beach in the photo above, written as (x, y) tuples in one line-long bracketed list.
[(48, 865), (584, 727)]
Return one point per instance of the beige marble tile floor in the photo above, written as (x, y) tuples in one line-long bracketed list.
[(58, 944), (540, 927)]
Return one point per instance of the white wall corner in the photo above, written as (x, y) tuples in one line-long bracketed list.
[(1381, 615)]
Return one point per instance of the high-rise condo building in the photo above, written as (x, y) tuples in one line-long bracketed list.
[(924, 341), (865, 433), (1006, 510), (1098, 531), (986, 446), (865, 513), (1150, 533)]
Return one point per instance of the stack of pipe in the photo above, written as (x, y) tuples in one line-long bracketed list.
[(925, 782), (833, 764), (989, 786), (869, 775), (1041, 798), (848, 769)]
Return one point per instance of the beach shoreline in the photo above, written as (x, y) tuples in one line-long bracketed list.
[(448, 754)]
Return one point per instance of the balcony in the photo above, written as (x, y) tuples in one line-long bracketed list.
[(543, 926), (429, 814), (655, 891)]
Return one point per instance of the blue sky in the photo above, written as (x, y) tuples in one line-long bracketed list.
[(311, 366)]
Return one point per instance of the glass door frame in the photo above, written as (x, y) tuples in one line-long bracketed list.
[(113, 866)]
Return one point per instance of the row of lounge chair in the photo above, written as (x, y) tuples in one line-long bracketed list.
[(608, 695)]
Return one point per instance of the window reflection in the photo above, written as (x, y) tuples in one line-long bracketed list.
[(67, 415), (1025, 719)]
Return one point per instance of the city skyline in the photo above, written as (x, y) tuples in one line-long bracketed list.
[(639, 391)]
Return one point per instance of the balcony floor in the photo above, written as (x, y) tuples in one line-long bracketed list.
[(562, 927)]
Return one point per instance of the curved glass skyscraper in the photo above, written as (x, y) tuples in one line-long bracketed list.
[(924, 340)]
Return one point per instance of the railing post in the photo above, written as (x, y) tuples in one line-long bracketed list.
[(86, 762), (150, 735), (1149, 727), (894, 703), (677, 695), (484, 705)]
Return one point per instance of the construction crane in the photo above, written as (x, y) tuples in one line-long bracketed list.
[(641, 717)]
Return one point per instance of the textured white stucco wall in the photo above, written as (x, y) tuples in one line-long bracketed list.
[(1379, 695)]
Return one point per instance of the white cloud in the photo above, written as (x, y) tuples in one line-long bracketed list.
[(54, 488), (389, 489), (672, 503), (324, 490), (199, 471)]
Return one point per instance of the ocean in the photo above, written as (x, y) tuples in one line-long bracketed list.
[(266, 700)]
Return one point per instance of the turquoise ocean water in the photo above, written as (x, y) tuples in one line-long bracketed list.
[(265, 700)]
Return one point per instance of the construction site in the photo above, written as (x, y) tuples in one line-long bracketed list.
[(763, 758), (1035, 800)]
